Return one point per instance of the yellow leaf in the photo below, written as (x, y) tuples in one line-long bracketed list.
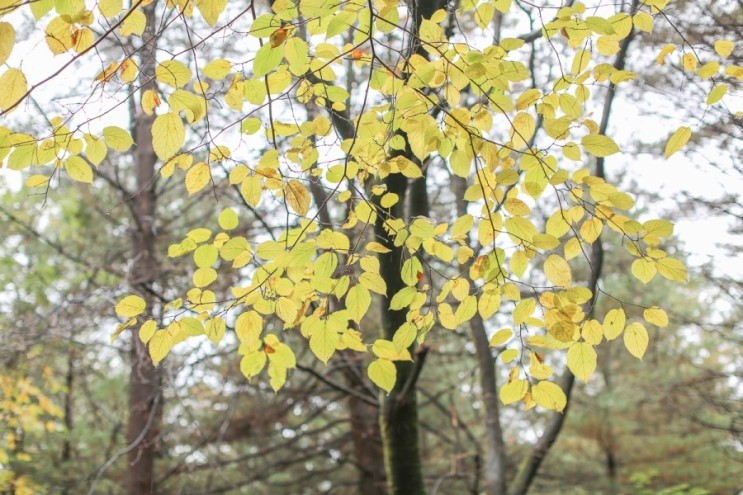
[(7, 41), (549, 396), (599, 145), (537, 369), (717, 93), (488, 304), (672, 269), (37, 181), (656, 316), (509, 355), (466, 309), (215, 329), (248, 327), (373, 282), (204, 276), (582, 360), (279, 353), (131, 306), (197, 177), (59, 35), (217, 69), (709, 69), (173, 73), (228, 219), (160, 345), (557, 271), (592, 332), (110, 8), (117, 138), (134, 24), (522, 129), (644, 269), (253, 363), (677, 140), (501, 337), (297, 197), (287, 309), (664, 52), (128, 70), (689, 61), (95, 149), (150, 101), (513, 391), (147, 330), (724, 47), (211, 9), (636, 339), (78, 169), (524, 310), (168, 135), (13, 87), (323, 342), (614, 323), (383, 374)]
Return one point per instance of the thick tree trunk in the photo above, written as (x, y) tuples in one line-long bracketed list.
[(145, 402), (367, 445), (399, 418)]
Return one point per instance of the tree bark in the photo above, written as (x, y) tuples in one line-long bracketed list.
[(145, 395)]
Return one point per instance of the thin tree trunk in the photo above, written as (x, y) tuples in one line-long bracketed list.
[(532, 463), (494, 471), (145, 404)]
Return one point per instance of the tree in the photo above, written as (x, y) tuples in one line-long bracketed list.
[(364, 110)]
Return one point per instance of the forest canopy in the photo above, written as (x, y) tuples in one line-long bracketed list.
[(339, 193)]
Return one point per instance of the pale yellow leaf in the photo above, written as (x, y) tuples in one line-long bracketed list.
[(7, 41), (582, 360), (557, 271), (13, 87), (599, 145), (614, 323), (636, 339), (656, 316), (677, 140), (197, 177), (168, 135)]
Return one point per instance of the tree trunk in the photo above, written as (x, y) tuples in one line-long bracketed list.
[(145, 402), (532, 463)]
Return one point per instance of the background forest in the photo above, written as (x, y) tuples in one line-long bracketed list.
[(83, 409)]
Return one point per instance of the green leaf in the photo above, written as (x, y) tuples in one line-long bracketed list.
[(267, 59)]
